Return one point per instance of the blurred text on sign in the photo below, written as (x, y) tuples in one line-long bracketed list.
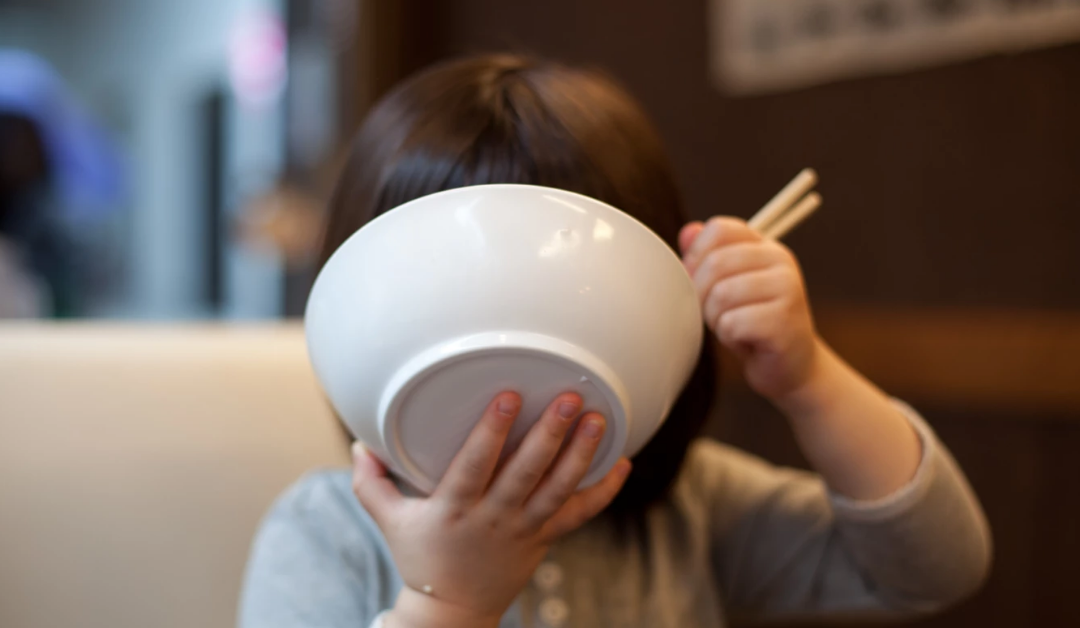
[(772, 45)]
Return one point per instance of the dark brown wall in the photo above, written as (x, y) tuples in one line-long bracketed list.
[(956, 187)]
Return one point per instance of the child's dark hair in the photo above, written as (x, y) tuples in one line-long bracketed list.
[(512, 119)]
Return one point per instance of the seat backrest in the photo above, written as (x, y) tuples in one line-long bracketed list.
[(136, 462)]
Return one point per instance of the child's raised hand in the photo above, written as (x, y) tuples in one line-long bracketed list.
[(753, 298), (474, 543)]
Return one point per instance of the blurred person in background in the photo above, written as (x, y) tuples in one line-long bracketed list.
[(35, 266), (56, 170)]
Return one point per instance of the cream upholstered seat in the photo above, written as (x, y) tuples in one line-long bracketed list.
[(136, 462)]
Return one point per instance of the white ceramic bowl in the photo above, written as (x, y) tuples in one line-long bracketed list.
[(421, 317)]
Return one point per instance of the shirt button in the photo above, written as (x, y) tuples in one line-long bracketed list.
[(548, 577), (554, 612)]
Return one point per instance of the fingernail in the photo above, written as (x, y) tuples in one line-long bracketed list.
[(508, 405), (358, 449), (622, 468), (568, 409), (593, 428)]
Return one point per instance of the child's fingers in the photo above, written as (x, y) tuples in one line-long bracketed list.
[(749, 325), (718, 231), (728, 261), (528, 465), (586, 504), (561, 483), (372, 485), (470, 471), (746, 289), (688, 234)]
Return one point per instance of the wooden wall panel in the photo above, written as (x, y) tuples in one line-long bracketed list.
[(1023, 361)]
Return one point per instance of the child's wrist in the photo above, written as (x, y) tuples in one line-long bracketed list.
[(812, 397), (418, 610)]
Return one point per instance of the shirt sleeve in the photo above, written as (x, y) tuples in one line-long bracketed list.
[(783, 546), (317, 561)]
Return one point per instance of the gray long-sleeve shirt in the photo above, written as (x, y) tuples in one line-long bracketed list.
[(736, 536)]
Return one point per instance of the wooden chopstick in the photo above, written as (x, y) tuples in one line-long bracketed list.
[(792, 218), (789, 207)]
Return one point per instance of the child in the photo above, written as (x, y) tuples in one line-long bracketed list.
[(699, 531)]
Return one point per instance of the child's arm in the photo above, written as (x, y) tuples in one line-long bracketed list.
[(896, 530), (784, 547), (753, 298)]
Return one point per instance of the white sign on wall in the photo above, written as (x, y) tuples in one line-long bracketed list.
[(771, 45)]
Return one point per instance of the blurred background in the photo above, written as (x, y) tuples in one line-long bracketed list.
[(176, 138), (169, 160)]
